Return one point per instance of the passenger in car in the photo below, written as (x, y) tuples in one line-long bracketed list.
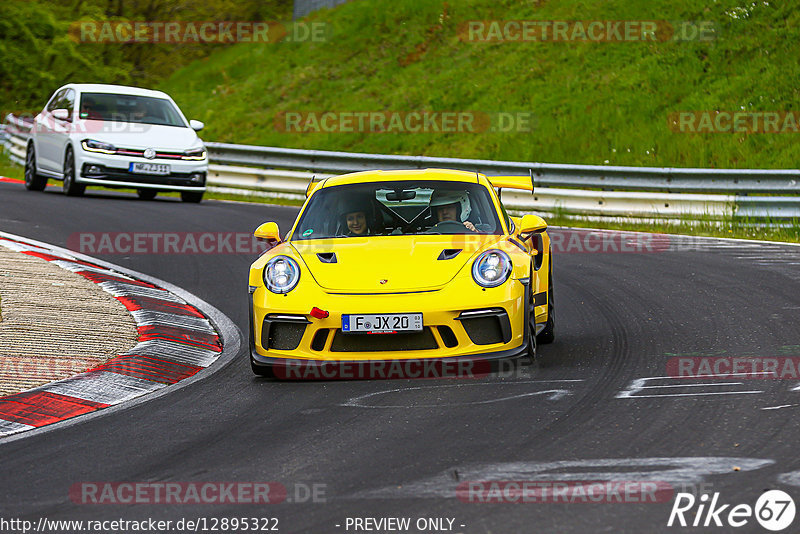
[(355, 218), (357, 223)]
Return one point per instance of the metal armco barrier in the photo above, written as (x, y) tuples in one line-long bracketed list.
[(15, 137), (595, 190), (676, 180)]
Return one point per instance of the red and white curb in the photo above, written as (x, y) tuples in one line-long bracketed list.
[(176, 341)]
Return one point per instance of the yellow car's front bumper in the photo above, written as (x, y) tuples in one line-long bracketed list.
[(461, 321)]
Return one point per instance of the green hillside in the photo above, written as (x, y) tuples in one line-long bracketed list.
[(592, 102)]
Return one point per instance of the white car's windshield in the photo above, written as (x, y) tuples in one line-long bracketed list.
[(398, 208), (129, 108)]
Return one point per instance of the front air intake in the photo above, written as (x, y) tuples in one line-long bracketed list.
[(423, 340), (486, 327), (283, 332)]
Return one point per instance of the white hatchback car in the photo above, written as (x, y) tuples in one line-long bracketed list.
[(116, 136)]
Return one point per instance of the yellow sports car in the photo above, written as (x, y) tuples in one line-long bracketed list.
[(383, 269)]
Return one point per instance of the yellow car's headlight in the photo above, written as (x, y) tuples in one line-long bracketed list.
[(281, 274), (491, 268)]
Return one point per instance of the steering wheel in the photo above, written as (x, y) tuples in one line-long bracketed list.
[(447, 226)]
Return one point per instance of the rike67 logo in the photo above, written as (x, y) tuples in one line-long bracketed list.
[(774, 510)]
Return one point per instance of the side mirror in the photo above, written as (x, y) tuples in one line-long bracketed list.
[(196, 125), (532, 224), (268, 231), (61, 114)]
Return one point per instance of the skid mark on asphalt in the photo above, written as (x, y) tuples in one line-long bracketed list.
[(644, 385), (757, 253), (791, 479), (367, 401), (675, 471)]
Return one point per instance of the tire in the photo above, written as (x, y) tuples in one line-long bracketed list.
[(33, 181), (70, 188), (192, 196), (266, 371), (147, 194), (548, 334)]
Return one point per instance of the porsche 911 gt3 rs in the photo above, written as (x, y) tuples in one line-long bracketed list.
[(401, 266)]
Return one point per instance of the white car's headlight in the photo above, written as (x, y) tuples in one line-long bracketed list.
[(491, 268), (281, 274), (90, 145), (195, 154)]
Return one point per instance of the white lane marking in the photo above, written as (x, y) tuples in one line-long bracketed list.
[(693, 394), (20, 247), (121, 289), (10, 427), (694, 385), (640, 384), (104, 387), (76, 267), (721, 375), (681, 470), (149, 317), (177, 352), (555, 394), (796, 388), (781, 406)]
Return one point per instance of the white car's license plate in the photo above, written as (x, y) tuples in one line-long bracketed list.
[(382, 323), (149, 168)]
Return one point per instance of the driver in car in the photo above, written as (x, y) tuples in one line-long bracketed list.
[(452, 206), (355, 217)]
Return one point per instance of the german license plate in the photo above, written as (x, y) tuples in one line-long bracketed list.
[(382, 323), (160, 169)]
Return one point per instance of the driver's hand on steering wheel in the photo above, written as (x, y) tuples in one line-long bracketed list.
[(470, 226)]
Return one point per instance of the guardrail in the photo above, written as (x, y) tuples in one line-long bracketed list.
[(15, 137), (590, 190), (677, 180)]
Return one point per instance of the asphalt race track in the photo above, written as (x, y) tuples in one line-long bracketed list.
[(605, 406)]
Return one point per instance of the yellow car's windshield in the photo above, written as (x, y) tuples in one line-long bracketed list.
[(398, 208)]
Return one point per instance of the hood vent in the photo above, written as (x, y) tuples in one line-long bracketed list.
[(449, 253), (327, 257)]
